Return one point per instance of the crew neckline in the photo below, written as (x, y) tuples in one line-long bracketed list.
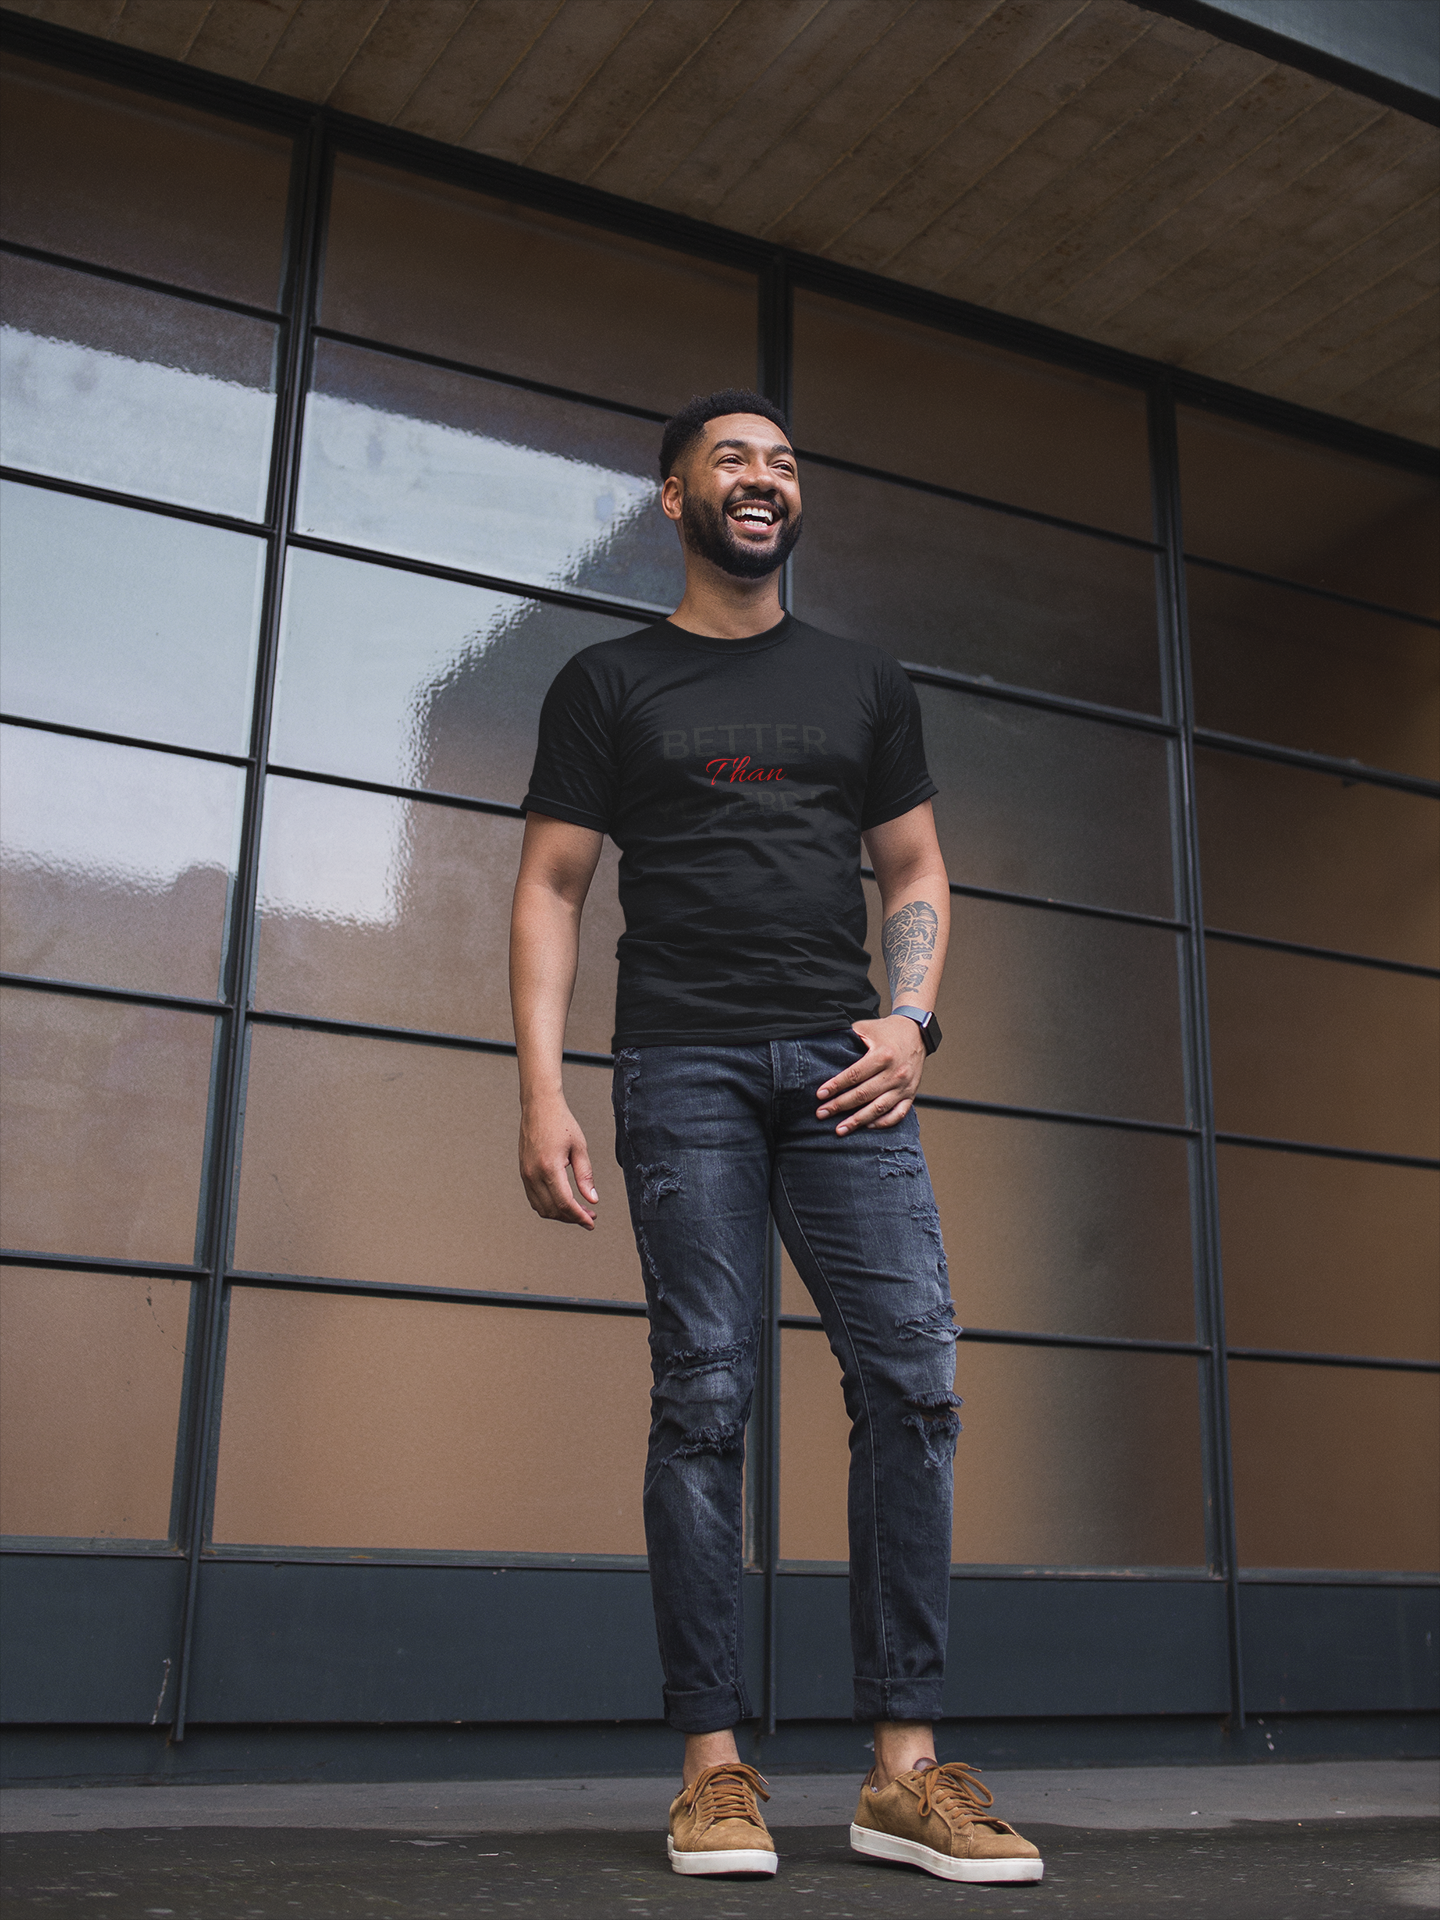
[(750, 643)]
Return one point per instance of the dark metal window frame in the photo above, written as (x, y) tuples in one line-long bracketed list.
[(319, 136)]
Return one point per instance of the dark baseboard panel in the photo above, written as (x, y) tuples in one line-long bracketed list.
[(113, 1756)]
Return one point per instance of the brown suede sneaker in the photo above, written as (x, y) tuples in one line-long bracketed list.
[(937, 1818), (715, 1826)]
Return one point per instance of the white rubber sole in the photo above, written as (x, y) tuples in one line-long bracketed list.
[(731, 1860), (886, 1846)]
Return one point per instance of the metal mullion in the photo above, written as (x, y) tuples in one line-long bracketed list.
[(124, 740), (143, 503), (952, 1103), (1205, 1204), (404, 1290), (463, 576), (1009, 898), (1352, 770), (437, 796), (472, 370), (1315, 593), (1036, 697), (1321, 953), (982, 500), (304, 243), (1323, 1151), (123, 278), (1280, 1356), (126, 996), (1012, 1337), (99, 1263), (415, 1036)]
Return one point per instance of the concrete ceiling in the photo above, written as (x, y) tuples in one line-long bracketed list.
[(1083, 163)]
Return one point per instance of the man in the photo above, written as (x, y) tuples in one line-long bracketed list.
[(739, 758)]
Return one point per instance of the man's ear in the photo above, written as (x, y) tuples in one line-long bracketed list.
[(672, 496)]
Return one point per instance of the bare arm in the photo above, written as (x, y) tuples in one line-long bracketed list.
[(557, 864), (880, 1088)]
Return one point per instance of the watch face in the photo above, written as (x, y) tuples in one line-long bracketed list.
[(930, 1034)]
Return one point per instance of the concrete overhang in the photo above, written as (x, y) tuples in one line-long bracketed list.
[(1096, 166)]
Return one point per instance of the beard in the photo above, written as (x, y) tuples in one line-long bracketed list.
[(707, 532)]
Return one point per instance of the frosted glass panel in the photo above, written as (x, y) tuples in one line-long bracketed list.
[(390, 1160), (915, 400), (1335, 1467), (389, 676), (1319, 859), (91, 1372), (102, 1130), (1320, 1050), (135, 391), (131, 181), (433, 266), (411, 1424), (127, 622), (397, 913), (1065, 1457), (117, 863), (493, 479), (1307, 1240), (1044, 803), (943, 584)]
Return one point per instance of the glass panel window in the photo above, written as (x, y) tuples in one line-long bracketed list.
[(1325, 1255), (134, 182), (127, 622), (117, 863), (387, 675), (1052, 1228), (490, 478), (136, 391), (439, 268), (1275, 663), (913, 400), (91, 1372), (103, 1135), (1043, 803), (942, 584), (1044, 1009), (1320, 1050), (1318, 859), (410, 1424), (1309, 513), (1067, 1457), (397, 913), (1335, 1467), (388, 1160)]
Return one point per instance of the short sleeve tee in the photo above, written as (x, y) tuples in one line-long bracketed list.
[(736, 778)]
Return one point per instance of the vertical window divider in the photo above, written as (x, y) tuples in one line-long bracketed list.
[(1205, 1202), (307, 200)]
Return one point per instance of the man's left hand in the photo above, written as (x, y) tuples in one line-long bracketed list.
[(879, 1090)]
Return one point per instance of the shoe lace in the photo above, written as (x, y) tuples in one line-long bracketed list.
[(727, 1792), (954, 1788)]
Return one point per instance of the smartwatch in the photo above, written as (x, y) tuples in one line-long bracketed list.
[(929, 1026)]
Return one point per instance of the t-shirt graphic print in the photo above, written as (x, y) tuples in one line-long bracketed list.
[(736, 777)]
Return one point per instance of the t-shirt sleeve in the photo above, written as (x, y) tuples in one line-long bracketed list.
[(574, 776), (899, 778)]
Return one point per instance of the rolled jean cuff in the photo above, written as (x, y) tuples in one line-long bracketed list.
[(897, 1699), (710, 1710)]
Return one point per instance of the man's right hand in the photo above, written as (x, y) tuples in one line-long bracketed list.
[(551, 1146)]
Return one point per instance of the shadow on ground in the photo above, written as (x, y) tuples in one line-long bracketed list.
[(1252, 1871)]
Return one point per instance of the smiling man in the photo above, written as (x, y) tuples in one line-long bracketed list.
[(740, 760)]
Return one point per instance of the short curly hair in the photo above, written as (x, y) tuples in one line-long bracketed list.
[(685, 428)]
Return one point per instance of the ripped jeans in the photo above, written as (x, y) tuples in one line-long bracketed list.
[(712, 1139)]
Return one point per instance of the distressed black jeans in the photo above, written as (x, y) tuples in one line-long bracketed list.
[(712, 1139)]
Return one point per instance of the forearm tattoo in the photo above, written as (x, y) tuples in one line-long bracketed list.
[(907, 940)]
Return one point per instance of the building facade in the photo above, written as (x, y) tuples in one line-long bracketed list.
[(323, 450)]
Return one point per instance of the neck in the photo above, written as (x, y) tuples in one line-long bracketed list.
[(721, 607)]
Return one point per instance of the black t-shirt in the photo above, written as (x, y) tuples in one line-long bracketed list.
[(735, 776)]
